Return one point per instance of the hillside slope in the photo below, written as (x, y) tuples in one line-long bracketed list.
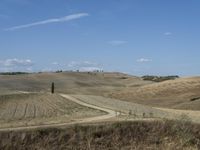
[(70, 82), (183, 93), (40, 108)]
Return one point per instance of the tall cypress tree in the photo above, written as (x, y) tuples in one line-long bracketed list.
[(52, 87)]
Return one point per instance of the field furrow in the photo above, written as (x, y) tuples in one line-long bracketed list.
[(20, 112), (30, 111), (8, 113), (14, 112), (37, 108)]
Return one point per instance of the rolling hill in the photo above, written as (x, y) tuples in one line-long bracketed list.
[(183, 93), (70, 82), (39, 109)]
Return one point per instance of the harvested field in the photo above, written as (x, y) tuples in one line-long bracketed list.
[(34, 109), (82, 98), (176, 93), (138, 111), (138, 98)]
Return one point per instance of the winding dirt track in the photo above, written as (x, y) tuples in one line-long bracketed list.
[(110, 114)]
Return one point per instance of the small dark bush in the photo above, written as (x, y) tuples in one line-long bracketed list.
[(194, 99)]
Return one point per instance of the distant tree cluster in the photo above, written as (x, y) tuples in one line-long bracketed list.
[(59, 71), (13, 73), (97, 71), (159, 78), (94, 71)]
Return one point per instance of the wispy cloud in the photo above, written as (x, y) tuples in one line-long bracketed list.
[(49, 21), (167, 33), (117, 42), (143, 60)]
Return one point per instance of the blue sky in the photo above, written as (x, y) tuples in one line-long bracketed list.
[(134, 36)]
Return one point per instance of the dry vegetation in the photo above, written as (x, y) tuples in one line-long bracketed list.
[(166, 135), (169, 94), (70, 82), (181, 93), (36, 109), (127, 108), (130, 110), (140, 99), (178, 93)]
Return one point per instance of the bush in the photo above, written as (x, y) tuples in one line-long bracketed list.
[(159, 78)]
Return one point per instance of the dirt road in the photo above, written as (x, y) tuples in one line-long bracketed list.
[(110, 114)]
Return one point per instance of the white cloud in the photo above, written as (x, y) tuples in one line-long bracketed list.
[(90, 69), (55, 63), (89, 63), (85, 66), (54, 20), (167, 33), (47, 70), (143, 60), (16, 62), (81, 64), (73, 64), (6, 69), (16, 65), (29, 69), (117, 42)]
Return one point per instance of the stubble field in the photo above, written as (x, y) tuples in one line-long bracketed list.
[(37, 108)]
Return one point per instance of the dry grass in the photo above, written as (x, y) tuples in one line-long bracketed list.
[(130, 110), (35, 109), (70, 82), (169, 94), (127, 108), (166, 135)]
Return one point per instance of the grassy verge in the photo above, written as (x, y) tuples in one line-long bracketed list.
[(125, 135)]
